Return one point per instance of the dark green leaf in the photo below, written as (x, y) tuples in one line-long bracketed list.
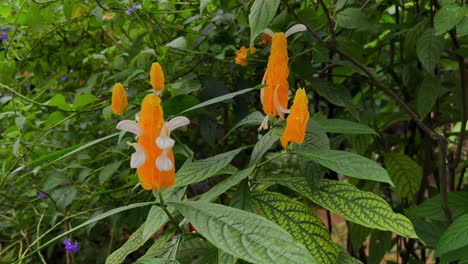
[(261, 14), (405, 174)]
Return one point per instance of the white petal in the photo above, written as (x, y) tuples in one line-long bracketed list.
[(294, 29), (269, 32), (164, 142), (137, 116), (139, 157), (279, 108), (264, 124), (163, 162), (261, 95), (130, 126), (177, 122)]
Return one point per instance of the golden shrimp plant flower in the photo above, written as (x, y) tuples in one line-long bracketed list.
[(119, 99), (157, 78), (296, 122), (241, 55), (274, 96)]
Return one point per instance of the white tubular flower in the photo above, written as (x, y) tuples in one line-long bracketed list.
[(130, 126), (295, 29), (163, 163), (139, 157), (164, 141)]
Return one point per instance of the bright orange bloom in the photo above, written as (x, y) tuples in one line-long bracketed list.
[(119, 99), (152, 122), (157, 77), (241, 55), (275, 96), (296, 123)]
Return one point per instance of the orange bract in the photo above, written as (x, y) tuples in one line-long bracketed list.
[(276, 77), (157, 77), (119, 99), (241, 55), (152, 121), (296, 123)]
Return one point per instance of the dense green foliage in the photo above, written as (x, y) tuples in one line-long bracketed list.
[(378, 176)]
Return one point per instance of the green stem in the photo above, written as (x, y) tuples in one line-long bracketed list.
[(164, 207)]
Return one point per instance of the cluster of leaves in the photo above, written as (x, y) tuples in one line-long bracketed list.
[(387, 82)]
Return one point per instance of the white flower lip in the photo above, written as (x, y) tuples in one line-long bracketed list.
[(177, 122), (163, 162), (269, 32), (165, 142), (279, 108), (139, 157), (295, 29), (130, 126)]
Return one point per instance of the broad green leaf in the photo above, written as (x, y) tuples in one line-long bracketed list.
[(155, 219), (344, 127), (202, 169), (364, 208), (261, 14), (429, 48), (90, 221), (107, 171), (151, 260), (252, 119), (431, 209), (405, 174), (345, 258), (380, 242), (462, 28), (242, 198), (264, 144), (178, 103), (64, 196), (59, 101), (242, 234), (352, 18), (159, 246), (300, 222), (178, 43), (225, 185), (358, 234), (429, 231), (196, 250), (427, 94), (336, 95), (454, 238), (226, 258), (220, 99), (448, 17), (348, 164), (84, 100)]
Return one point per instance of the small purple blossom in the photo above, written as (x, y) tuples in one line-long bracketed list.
[(12, 189), (99, 96), (63, 78), (4, 36), (23, 126), (42, 195), (133, 9), (69, 247), (26, 169), (129, 11)]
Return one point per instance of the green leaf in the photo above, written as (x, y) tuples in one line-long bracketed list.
[(84, 100), (151, 260), (194, 249), (155, 219), (454, 238), (430, 208), (427, 94), (225, 185), (462, 28), (59, 101), (352, 18), (261, 14), (336, 95), (220, 99), (300, 222), (345, 127), (447, 18), (225, 258), (64, 196), (405, 173), (364, 208), (264, 144), (242, 234), (252, 119), (348, 164), (202, 169), (345, 258), (380, 243), (315, 138), (107, 171), (429, 48), (178, 103)]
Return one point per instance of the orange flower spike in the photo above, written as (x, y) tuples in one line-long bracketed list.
[(157, 77), (119, 99), (241, 55), (296, 123), (151, 122)]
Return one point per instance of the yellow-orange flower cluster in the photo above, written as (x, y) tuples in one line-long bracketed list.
[(241, 55), (119, 99), (153, 157), (296, 123)]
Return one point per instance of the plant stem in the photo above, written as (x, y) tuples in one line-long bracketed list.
[(164, 207)]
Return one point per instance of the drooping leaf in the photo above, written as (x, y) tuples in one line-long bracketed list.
[(364, 208), (348, 164), (379, 244), (429, 48), (405, 174), (300, 222), (431, 208), (448, 17), (454, 238), (352, 18), (252, 119), (242, 234), (203, 169), (155, 219), (261, 14), (225, 185), (427, 94), (264, 144)]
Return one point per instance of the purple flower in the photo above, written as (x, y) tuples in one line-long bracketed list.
[(99, 96), (69, 247), (130, 11), (42, 195), (135, 7), (63, 78), (12, 189), (4, 36)]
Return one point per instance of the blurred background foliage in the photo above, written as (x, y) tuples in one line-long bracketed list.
[(370, 62)]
